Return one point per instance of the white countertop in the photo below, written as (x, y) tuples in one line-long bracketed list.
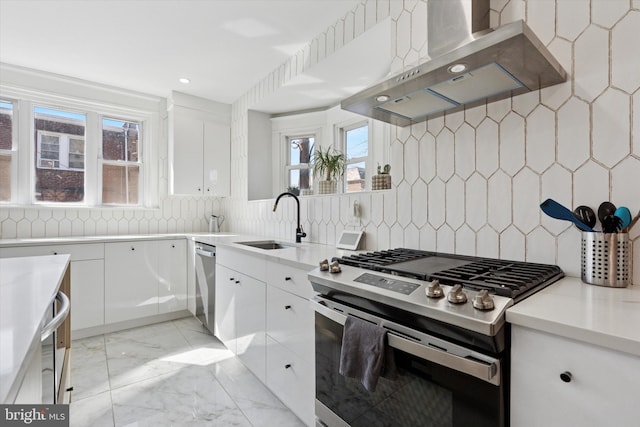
[(298, 255), (608, 317), (27, 288)]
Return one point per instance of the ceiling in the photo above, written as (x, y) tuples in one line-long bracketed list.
[(223, 46)]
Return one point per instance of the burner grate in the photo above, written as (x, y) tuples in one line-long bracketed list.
[(512, 279)]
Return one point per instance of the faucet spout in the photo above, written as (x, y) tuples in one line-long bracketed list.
[(299, 232)]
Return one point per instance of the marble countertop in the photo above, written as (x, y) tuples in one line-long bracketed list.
[(28, 286), (608, 317), (298, 255)]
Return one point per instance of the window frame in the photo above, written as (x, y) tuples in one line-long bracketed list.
[(341, 130), (139, 108), (12, 152), (123, 163), (301, 166)]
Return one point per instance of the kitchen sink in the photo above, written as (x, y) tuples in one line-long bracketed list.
[(265, 244)]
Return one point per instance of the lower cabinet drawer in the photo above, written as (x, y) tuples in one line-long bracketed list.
[(290, 279), (290, 321), (77, 252), (292, 380)]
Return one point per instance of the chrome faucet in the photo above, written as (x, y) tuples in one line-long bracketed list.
[(299, 232)]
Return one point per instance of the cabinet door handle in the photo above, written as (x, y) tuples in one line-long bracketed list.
[(287, 366), (55, 253), (566, 376), (237, 281), (231, 278), (173, 246), (199, 189), (287, 278), (287, 307), (132, 248)]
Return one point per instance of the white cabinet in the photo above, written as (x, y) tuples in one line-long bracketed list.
[(144, 278), (87, 288), (290, 339), (240, 308), (131, 285), (225, 307), (557, 381), (87, 278), (172, 277), (199, 146)]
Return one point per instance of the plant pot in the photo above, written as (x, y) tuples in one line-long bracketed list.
[(381, 182), (327, 187), (307, 192)]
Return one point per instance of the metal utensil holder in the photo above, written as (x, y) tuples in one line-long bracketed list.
[(606, 259)]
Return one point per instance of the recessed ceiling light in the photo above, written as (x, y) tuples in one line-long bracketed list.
[(184, 80), (457, 68), (382, 98)]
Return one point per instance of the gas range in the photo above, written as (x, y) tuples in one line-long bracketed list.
[(439, 291)]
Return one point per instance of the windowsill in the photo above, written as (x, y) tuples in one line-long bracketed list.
[(55, 206), (329, 195)]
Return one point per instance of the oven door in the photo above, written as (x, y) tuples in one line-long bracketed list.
[(438, 384)]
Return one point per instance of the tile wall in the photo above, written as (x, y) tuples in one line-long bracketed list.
[(471, 182)]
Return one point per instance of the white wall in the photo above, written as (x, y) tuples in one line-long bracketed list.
[(471, 182)]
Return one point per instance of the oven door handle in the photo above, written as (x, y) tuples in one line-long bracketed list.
[(63, 311), (484, 370)]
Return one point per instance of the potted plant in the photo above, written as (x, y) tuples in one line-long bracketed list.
[(382, 181), (330, 164)]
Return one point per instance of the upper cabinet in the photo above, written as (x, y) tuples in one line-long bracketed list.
[(199, 146)]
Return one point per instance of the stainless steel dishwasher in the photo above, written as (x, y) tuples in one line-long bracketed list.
[(205, 284)]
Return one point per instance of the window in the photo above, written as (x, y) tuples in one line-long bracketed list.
[(356, 147), (299, 168), (121, 162), (59, 146), (6, 149)]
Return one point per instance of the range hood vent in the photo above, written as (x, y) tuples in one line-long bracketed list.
[(471, 65)]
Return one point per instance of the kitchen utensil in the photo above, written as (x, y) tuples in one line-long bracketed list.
[(215, 222), (556, 210), (606, 212), (624, 214), (586, 215), (633, 222)]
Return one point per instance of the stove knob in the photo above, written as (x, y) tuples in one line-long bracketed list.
[(483, 301), (457, 295), (335, 267), (434, 290)]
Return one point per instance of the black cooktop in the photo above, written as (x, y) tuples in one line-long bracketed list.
[(514, 279)]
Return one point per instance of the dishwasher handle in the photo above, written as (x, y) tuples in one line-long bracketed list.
[(205, 253), (57, 320)]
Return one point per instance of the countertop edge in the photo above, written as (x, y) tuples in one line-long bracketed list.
[(600, 316), (16, 381)]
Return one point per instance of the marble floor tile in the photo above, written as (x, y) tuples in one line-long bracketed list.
[(255, 400), (89, 374), (168, 374), (94, 411), (188, 396)]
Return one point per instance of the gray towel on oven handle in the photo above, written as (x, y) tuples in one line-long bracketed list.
[(365, 354)]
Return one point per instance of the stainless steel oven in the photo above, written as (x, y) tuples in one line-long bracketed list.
[(444, 316), (54, 351), (439, 383)]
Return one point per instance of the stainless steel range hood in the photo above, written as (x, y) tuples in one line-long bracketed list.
[(471, 65)]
